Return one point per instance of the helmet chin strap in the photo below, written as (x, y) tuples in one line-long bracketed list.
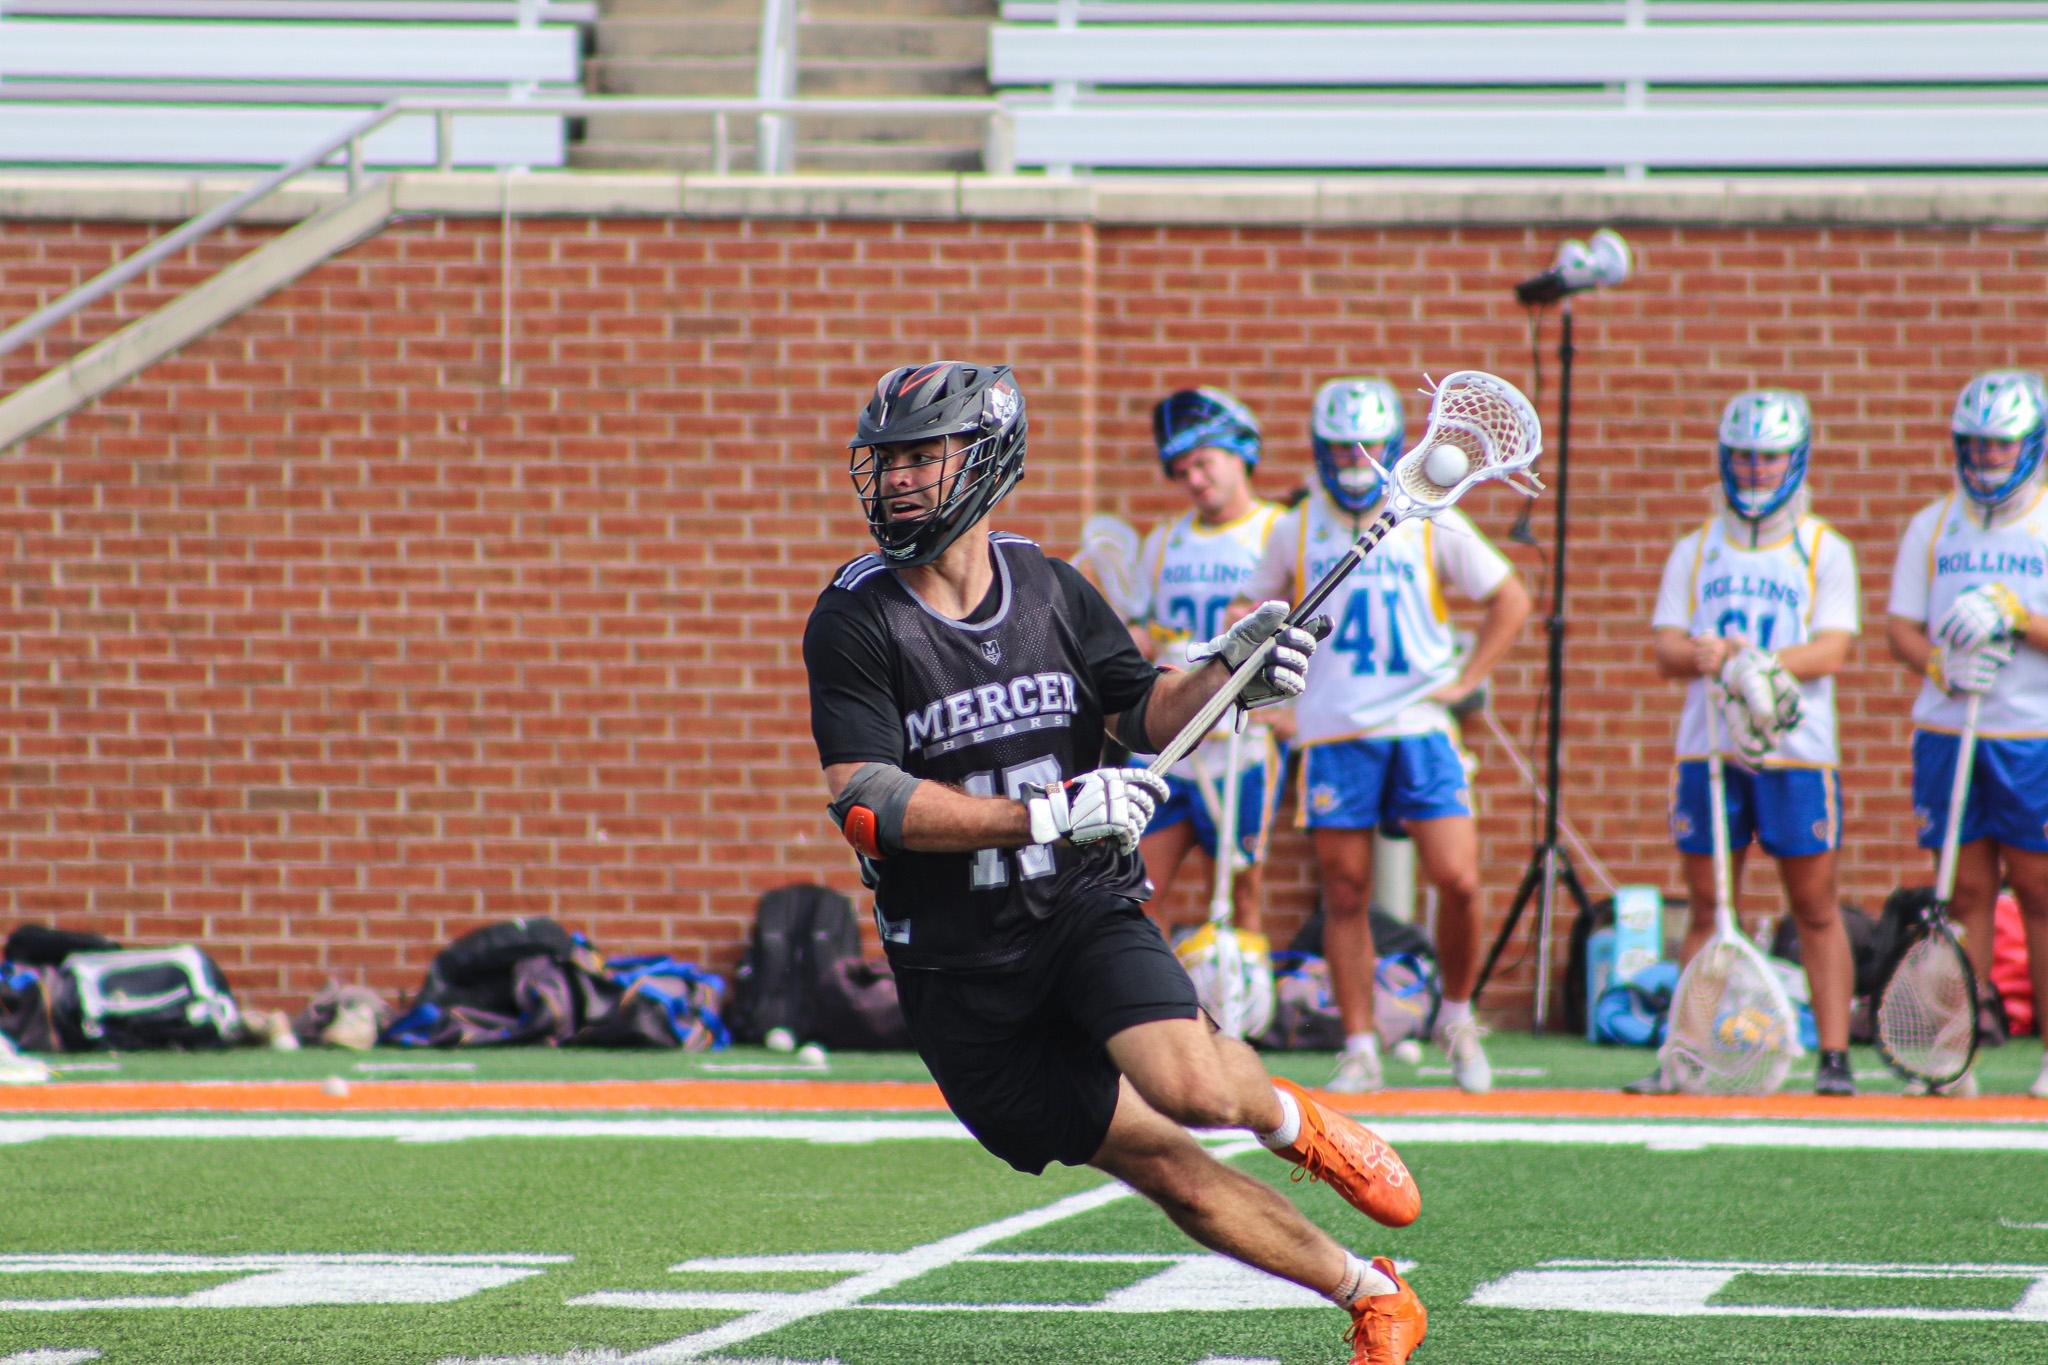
[(1751, 532), (2014, 505)]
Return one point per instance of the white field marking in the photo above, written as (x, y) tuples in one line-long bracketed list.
[(51, 1355), (1682, 1289), (1498, 1071), (2037, 1227), (1205, 1360), (1904, 1135), (728, 1067), (413, 1066), (289, 1281)]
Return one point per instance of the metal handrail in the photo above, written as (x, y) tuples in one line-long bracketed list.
[(1513, 11), (350, 142)]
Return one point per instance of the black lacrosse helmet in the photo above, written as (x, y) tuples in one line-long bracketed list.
[(917, 403)]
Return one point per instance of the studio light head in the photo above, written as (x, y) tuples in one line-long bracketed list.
[(1580, 266)]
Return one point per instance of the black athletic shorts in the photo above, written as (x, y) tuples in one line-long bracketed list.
[(1019, 1052)]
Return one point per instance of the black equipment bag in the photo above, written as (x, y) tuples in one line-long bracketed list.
[(145, 998), (855, 1008), (43, 945), (1862, 932), (1391, 937), (799, 932)]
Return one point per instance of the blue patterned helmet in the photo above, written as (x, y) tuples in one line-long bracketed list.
[(1192, 418), (1770, 421), (1354, 412), (2006, 405)]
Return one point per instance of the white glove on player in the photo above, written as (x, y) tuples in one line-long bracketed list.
[(1109, 803), (1987, 612), (1286, 670), (1969, 670), (1763, 702)]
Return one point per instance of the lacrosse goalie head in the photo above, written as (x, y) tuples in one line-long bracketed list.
[(1192, 418), (978, 411), (1998, 428), (1766, 436), (1350, 413)]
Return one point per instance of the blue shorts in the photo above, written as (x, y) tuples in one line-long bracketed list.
[(1362, 783), (1184, 802), (2008, 798), (1792, 812)]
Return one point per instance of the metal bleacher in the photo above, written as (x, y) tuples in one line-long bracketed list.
[(238, 83), (1625, 87)]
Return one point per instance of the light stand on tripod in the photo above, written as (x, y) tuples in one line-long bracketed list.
[(1580, 266)]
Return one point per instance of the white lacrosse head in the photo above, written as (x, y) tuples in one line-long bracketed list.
[(1731, 1029), (1112, 547), (1488, 419)]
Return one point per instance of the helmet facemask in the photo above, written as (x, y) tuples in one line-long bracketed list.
[(1766, 440), (1998, 430), (1349, 416), (971, 419)]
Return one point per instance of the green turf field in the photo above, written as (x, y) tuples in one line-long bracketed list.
[(234, 1250), (1520, 1062)]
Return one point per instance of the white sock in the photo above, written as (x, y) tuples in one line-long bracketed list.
[(1289, 1130), (1362, 1044), (1361, 1281), (1453, 1012)]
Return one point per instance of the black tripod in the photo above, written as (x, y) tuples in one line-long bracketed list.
[(1550, 864)]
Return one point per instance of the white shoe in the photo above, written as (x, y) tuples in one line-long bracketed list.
[(2039, 1089), (1963, 1087), (1357, 1073), (1469, 1067)]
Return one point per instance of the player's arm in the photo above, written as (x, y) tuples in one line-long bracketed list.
[(1909, 643), (1507, 607), (1820, 657), (936, 818)]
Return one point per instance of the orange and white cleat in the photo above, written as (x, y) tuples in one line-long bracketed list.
[(1352, 1160), (1386, 1328)]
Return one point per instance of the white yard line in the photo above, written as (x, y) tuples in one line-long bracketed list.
[(1675, 1136)]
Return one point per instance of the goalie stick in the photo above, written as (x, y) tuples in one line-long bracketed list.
[(1483, 420)]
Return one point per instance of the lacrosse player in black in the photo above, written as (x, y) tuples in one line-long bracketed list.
[(961, 687)]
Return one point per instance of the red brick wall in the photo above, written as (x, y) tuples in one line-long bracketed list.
[(322, 646)]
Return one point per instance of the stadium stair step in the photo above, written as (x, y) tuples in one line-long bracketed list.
[(846, 49)]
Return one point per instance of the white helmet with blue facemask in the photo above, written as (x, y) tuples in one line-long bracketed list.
[(1349, 413), (2004, 406), (1761, 428)]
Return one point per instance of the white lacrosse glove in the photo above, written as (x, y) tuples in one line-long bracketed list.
[(1969, 670), (1987, 612), (1764, 701), (1286, 670), (1109, 803)]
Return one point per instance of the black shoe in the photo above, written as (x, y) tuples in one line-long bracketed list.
[(1656, 1083), (1832, 1076)]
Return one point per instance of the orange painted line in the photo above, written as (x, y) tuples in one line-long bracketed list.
[(922, 1097)]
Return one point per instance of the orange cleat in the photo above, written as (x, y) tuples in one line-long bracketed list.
[(1353, 1161), (1386, 1329)]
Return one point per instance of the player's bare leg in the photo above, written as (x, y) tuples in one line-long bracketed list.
[(1809, 883), (1248, 899), (1448, 850), (2027, 873), (1976, 898), (1164, 851), (1344, 858), (1700, 893)]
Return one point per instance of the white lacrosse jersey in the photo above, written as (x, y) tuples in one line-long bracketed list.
[(1393, 643), (1946, 552), (1194, 572), (1776, 595)]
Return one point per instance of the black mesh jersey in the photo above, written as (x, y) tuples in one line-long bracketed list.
[(1015, 694)]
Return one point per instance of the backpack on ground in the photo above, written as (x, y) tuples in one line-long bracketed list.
[(1862, 932), (1304, 1014), (855, 1008), (1634, 1013), (799, 932), (146, 998), (44, 945)]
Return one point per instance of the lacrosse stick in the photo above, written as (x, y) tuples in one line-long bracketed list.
[(1214, 957), (1732, 1029), (1480, 429), (1927, 1012), (1111, 547)]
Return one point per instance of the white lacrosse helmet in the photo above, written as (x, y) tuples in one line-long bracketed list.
[(1767, 421), (2006, 405), (1354, 412)]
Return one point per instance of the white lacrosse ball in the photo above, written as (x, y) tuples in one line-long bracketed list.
[(780, 1040), (1446, 465), (810, 1054), (1408, 1052)]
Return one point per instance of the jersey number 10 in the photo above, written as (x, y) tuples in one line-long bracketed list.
[(1355, 635)]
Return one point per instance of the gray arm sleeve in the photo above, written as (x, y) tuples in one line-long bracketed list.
[(869, 809)]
